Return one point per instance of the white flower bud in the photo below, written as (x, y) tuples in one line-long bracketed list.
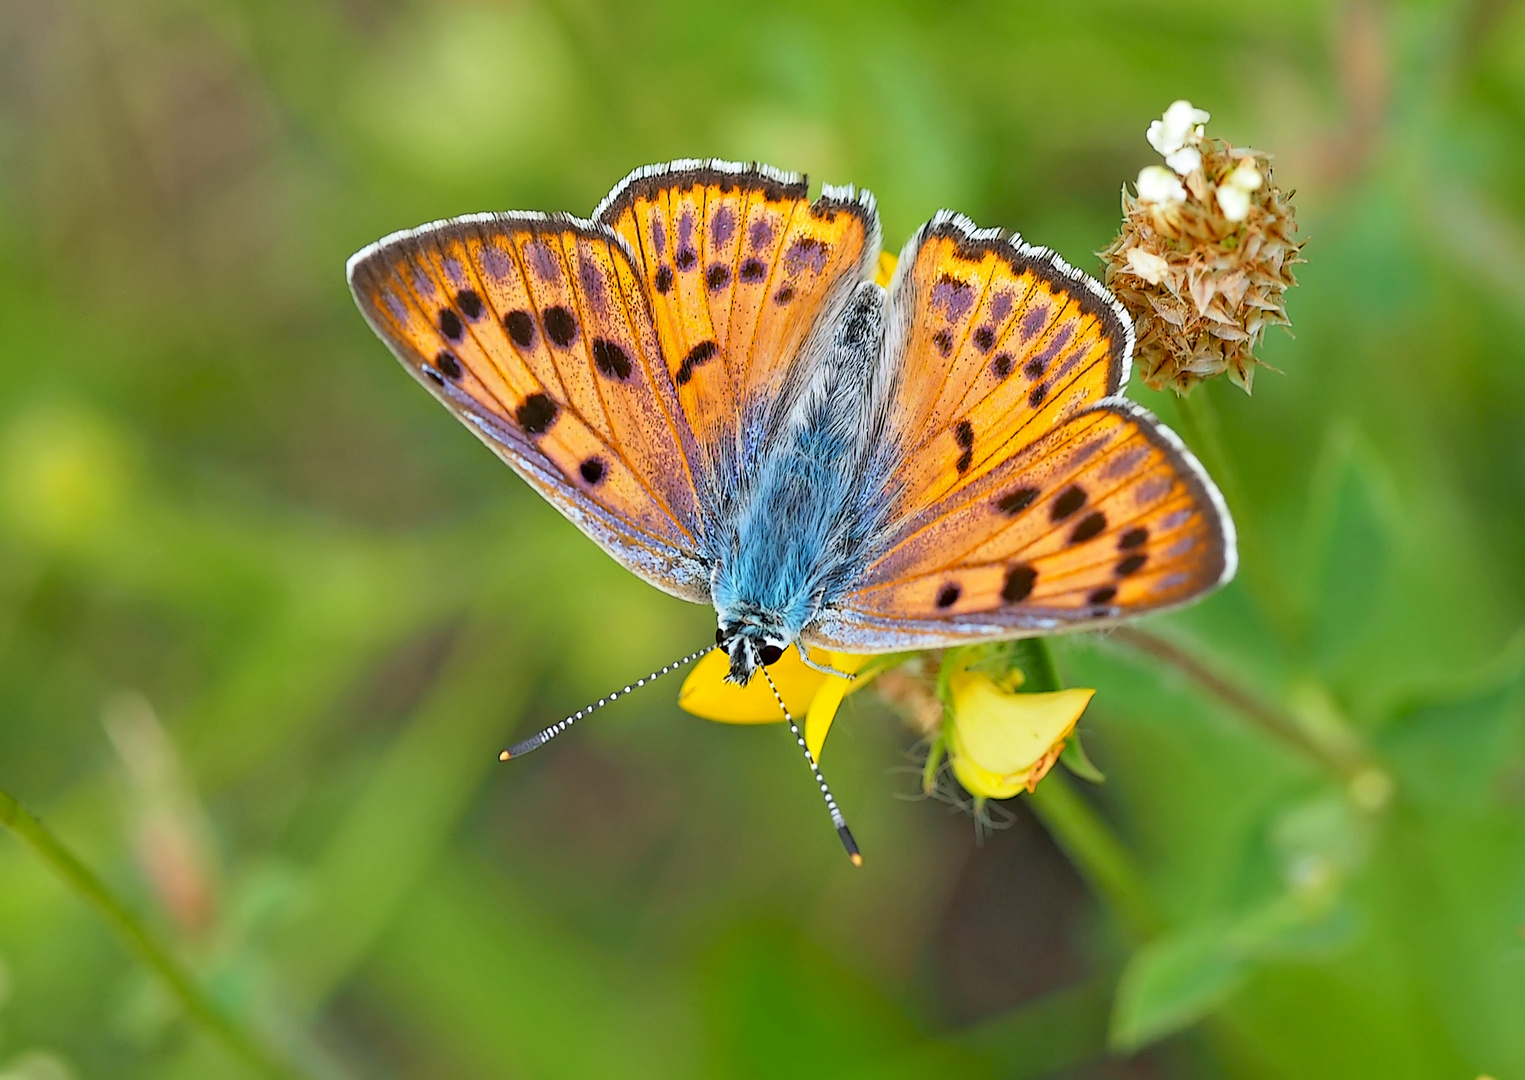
[(1185, 161), (1182, 123), (1156, 137), (1245, 176), (1159, 185), (1235, 202)]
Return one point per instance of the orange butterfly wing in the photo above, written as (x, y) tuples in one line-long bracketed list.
[(537, 333), (743, 269), (998, 344), (1023, 497)]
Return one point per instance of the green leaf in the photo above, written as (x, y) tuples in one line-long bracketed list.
[(1173, 982), (1074, 758), (1180, 977), (1450, 751), (1352, 533)]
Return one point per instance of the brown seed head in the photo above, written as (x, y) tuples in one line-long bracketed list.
[(1204, 275)]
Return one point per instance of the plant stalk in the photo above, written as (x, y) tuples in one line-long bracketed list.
[(138, 940), (1269, 719), (1078, 829)]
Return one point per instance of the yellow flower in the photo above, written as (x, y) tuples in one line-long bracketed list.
[(808, 693), (1001, 742)]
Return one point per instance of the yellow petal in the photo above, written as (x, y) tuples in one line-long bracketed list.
[(982, 782), (706, 693), (999, 742), (823, 709), (886, 269)]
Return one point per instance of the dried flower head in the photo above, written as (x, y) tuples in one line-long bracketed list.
[(1204, 257)]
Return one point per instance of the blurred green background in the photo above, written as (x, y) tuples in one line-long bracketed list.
[(267, 612)]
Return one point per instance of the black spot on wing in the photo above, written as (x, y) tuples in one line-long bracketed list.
[(592, 470), (447, 363), (1093, 524), (717, 277), (1070, 499), (1014, 502), (560, 326), (1000, 367), (1131, 565), (753, 271), (611, 360), (450, 324), (537, 414), (521, 328), (701, 353), (948, 595), (663, 279), (1019, 584), (1133, 538), (963, 432), (470, 304)]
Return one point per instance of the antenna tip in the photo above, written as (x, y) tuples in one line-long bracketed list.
[(504, 756), (850, 844)]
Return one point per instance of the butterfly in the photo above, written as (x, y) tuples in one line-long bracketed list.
[(705, 379)]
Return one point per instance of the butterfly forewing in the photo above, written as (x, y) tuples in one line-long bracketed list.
[(742, 268), (536, 331), (997, 343)]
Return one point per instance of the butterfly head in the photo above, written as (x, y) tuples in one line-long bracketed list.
[(750, 647)]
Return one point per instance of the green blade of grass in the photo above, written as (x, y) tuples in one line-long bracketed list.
[(204, 1012)]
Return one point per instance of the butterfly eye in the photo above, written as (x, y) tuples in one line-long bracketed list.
[(770, 655)]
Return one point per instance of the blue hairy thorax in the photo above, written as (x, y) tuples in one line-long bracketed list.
[(795, 532)]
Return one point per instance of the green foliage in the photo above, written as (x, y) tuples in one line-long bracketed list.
[(219, 498)]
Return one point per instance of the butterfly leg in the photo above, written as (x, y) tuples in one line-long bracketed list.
[(824, 669), (831, 804)]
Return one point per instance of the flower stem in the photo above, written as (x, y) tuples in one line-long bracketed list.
[(1079, 830), (1097, 853), (136, 936), (1273, 721)]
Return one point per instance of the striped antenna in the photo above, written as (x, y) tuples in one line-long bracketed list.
[(535, 742), (831, 804)]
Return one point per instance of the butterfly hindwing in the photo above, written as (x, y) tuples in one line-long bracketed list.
[(536, 332), (1104, 517), (742, 268)]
